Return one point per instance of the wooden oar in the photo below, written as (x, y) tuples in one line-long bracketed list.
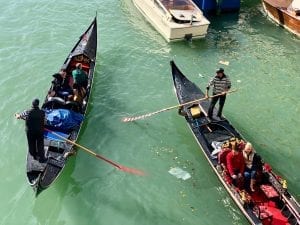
[(130, 119), (116, 165)]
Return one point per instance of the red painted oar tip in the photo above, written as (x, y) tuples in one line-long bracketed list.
[(132, 171)]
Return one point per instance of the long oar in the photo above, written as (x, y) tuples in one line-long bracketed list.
[(116, 165), (130, 119)]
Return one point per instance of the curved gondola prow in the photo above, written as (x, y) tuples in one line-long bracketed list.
[(184, 85), (91, 31), (175, 69), (177, 74), (85, 46)]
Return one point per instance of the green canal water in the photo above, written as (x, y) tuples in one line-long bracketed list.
[(133, 77)]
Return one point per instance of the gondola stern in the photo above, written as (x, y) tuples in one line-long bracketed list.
[(38, 191)]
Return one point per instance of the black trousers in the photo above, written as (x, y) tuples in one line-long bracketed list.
[(213, 102), (36, 145)]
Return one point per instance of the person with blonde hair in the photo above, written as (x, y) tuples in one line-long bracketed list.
[(253, 165)]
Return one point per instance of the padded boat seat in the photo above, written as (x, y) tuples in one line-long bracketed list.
[(85, 66), (269, 191), (73, 105), (54, 103), (265, 215)]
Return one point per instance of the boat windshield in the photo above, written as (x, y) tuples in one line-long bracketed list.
[(178, 4)]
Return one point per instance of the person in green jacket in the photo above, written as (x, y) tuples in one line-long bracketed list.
[(80, 76)]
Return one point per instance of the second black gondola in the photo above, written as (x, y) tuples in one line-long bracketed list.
[(271, 203)]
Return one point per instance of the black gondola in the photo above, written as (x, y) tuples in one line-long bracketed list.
[(42, 175), (271, 203)]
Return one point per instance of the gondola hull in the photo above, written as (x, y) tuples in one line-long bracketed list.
[(42, 175), (283, 208)]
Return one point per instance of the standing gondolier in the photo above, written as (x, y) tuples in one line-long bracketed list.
[(34, 127), (221, 84)]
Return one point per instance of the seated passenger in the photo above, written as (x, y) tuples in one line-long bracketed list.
[(60, 84), (51, 94), (78, 94), (222, 156), (235, 164), (80, 76), (253, 165), (240, 144)]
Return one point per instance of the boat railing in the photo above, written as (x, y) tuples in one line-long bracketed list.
[(293, 206), (291, 203)]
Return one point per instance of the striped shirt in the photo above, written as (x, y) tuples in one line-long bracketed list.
[(219, 84), (24, 114)]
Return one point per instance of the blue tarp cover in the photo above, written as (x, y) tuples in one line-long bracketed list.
[(63, 119)]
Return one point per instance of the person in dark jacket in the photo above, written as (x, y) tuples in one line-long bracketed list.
[(60, 84), (221, 84), (34, 127)]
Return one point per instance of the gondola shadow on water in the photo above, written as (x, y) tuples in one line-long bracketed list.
[(52, 200)]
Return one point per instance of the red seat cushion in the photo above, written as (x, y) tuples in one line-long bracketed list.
[(269, 191), (264, 213)]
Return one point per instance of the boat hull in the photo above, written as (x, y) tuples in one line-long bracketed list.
[(162, 21), (42, 175), (205, 132), (282, 16)]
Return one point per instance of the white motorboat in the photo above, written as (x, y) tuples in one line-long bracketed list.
[(174, 19)]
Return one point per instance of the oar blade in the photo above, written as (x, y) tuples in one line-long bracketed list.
[(132, 171), (116, 165), (121, 167)]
